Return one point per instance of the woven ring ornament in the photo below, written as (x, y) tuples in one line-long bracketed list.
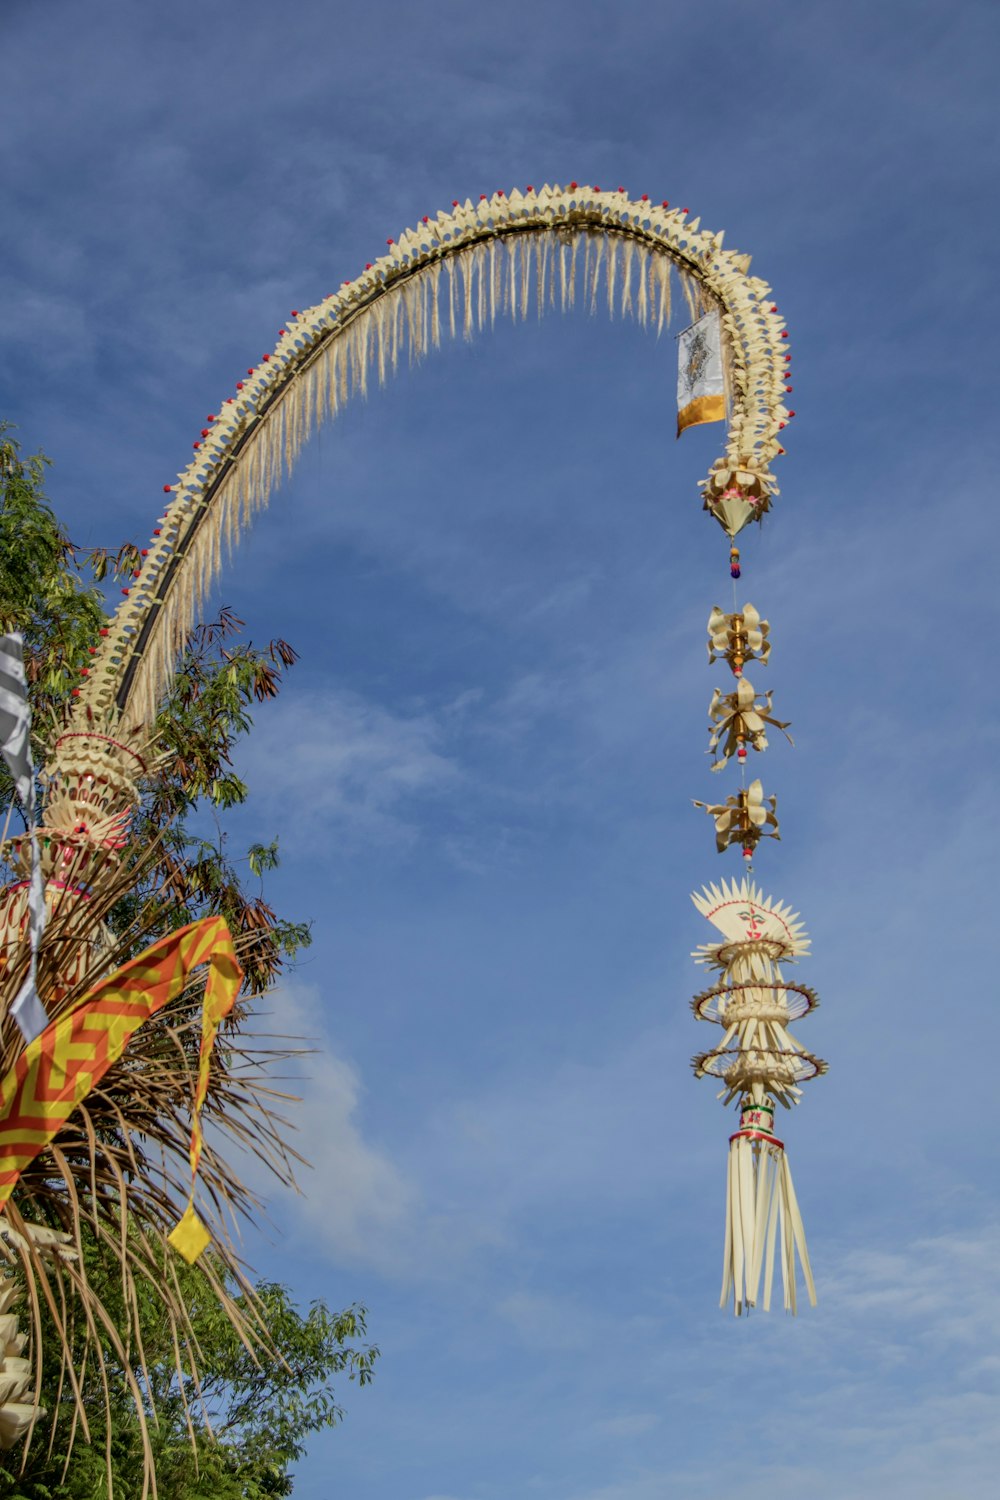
[(721, 955), (401, 302), (740, 1068), (714, 1004)]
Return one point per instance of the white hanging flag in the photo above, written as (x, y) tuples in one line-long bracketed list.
[(701, 393), (15, 746)]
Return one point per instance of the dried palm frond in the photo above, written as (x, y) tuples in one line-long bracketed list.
[(119, 1169)]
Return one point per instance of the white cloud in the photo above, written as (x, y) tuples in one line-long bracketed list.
[(355, 1202), (545, 1322), (333, 760)]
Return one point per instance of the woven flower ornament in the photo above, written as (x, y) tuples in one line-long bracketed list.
[(738, 638), (740, 719), (744, 818)]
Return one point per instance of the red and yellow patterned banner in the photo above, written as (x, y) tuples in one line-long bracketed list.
[(59, 1068)]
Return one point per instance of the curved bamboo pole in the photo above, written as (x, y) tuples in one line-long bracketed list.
[(454, 274)]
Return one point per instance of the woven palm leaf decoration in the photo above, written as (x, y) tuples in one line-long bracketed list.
[(761, 1065), (453, 274)]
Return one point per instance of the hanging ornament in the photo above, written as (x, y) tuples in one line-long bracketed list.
[(738, 719), (738, 638), (745, 818), (735, 497), (761, 1064)]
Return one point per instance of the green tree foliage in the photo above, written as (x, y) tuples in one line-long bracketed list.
[(250, 1416), (259, 1407), (49, 590), (42, 593)]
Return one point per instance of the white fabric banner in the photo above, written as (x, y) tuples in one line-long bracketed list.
[(15, 746), (700, 385)]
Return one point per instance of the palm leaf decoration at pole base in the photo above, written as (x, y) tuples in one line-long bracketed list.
[(56, 1072), (761, 1064), (109, 1173)]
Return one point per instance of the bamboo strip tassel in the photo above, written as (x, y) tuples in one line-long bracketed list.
[(761, 1210)]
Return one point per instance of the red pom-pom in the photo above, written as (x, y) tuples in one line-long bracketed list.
[(784, 333), (482, 197), (789, 387), (76, 692), (573, 187), (425, 220), (596, 188), (167, 488), (144, 552), (265, 357), (666, 203), (282, 332), (791, 414), (294, 312), (84, 671), (529, 188), (781, 428), (124, 591), (621, 190), (684, 210), (204, 432), (211, 415), (239, 385), (454, 204), (499, 192), (104, 630), (92, 650), (368, 265), (644, 198), (157, 531), (195, 446), (249, 372)]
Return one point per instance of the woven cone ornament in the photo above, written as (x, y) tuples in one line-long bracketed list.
[(762, 1064)]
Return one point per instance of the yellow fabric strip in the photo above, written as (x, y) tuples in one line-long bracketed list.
[(701, 409), (59, 1068)]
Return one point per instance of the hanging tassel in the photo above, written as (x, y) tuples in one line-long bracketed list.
[(761, 1213)]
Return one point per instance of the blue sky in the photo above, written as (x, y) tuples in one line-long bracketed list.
[(497, 574)]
